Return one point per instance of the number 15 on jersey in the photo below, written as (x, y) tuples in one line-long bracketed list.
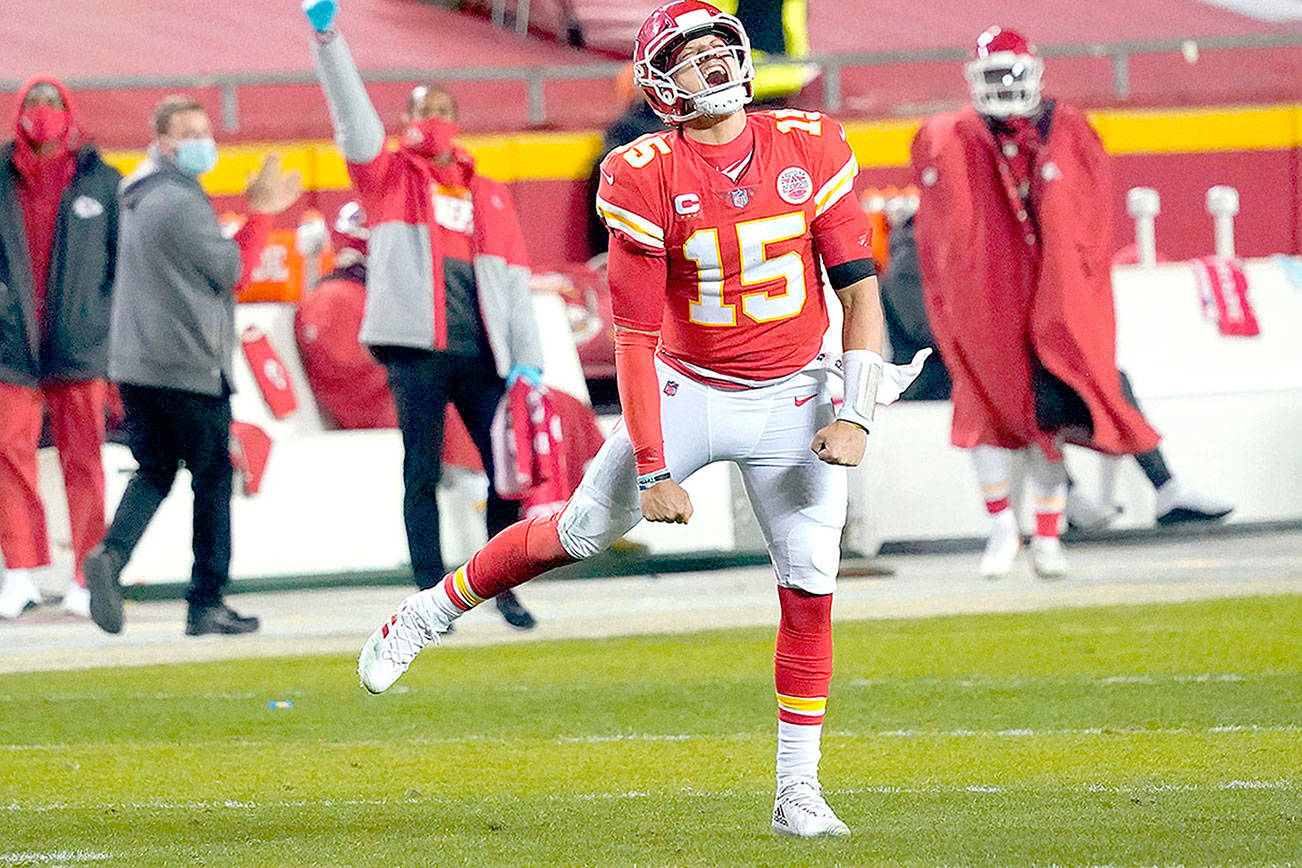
[(757, 268)]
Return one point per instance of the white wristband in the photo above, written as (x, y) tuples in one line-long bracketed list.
[(863, 374)]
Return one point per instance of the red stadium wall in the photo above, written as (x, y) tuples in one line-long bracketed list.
[(554, 213), (1269, 188), (1181, 153)]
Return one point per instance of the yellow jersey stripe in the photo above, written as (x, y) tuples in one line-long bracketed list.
[(634, 226), (635, 220), (840, 184)]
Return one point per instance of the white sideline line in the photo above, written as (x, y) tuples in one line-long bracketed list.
[(60, 856), (1101, 680), (198, 805), (126, 697), (881, 790), (1024, 732), (643, 737), (968, 681), (1111, 789), (1091, 730)]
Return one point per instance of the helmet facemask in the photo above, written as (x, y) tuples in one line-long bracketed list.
[(724, 74), (1005, 84)]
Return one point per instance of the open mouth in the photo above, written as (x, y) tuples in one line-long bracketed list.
[(716, 74)]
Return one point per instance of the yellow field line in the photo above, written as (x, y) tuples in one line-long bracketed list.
[(568, 156)]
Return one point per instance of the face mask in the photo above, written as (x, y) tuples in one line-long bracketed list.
[(431, 137), (42, 123), (196, 156)]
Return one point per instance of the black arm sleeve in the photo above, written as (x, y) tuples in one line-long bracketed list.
[(847, 273)]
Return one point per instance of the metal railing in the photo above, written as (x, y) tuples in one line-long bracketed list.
[(535, 78)]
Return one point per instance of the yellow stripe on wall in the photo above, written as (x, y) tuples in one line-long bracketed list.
[(506, 158), (568, 156), (881, 144), (1198, 130)]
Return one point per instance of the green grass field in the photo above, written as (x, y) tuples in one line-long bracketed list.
[(1152, 735)]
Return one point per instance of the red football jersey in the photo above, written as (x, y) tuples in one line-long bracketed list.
[(743, 298)]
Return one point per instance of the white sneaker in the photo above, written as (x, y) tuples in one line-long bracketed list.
[(17, 593), (392, 647), (799, 810), (1047, 557), (1178, 501), (1002, 547), (1086, 514), (76, 601)]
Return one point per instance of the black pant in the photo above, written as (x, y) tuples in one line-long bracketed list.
[(165, 429), (423, 383)]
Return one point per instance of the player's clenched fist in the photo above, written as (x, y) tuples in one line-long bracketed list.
[(840, 443), (666, 501), (321, 13)]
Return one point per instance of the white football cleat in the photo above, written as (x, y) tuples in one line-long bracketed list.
[(392, 647), (1047, 557), (1002, 547), (1086, 514), (800, 810), (17, 593), (76, 601), (1178, 501)]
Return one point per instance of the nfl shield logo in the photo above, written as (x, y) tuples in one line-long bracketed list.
[(740, 197), (671, 388)]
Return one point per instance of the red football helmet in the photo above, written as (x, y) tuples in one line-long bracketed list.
[(725, 72), (1004, 74), (349, 234)]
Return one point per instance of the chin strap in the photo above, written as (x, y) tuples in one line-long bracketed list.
[(723, 103)]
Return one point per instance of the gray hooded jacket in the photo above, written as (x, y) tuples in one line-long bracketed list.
[(173, 321)]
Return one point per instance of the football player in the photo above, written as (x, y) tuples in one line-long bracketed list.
[(1014, 242), (719, 229)]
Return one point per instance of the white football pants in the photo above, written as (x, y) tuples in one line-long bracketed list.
[(798, 500)]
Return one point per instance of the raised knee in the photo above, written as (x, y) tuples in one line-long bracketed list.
[(585, 529)]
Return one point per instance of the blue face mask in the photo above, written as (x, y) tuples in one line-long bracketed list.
[(196, 156)]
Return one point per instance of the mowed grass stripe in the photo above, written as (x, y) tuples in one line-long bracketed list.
[(249, 772), (730, 828), (651, 709), (1123, 735), (450, 741), (687, 792), (969, 682)]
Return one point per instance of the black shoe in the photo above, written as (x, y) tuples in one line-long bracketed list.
[(102, 567), (513, 612), (221, 618)]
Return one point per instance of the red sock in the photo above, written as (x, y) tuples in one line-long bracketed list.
[(1046, 523), (802, 662), (517, 554), (998, 505)]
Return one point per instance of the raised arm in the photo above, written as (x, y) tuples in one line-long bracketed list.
[(358, 130)]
